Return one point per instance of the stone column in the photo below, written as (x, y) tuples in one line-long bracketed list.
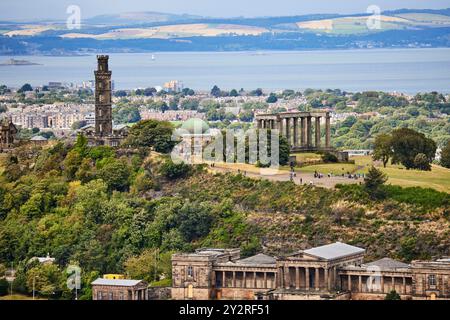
[(288, 131), (287, 278), (335, 277), (265, 280), (349, 284), (382, 284), (297, 278), (327, 279), (255, 285), (393, 283), (308, 132), (295, 131), (280, 126), (234, 280), (359, 284), (327, 132), (307, 278), (259, 126), (303, 131), (275, 279), (404, 285), (316, 279), (281, 278), (244, 280), (317, 132)]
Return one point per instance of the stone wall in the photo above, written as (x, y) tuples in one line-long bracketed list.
[(159, 293), (198, 294)]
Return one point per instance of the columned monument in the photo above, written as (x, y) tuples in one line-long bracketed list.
[(298, 128)]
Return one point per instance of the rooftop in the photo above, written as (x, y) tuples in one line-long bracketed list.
[(116, 282), (258, 259), (334, 251), (38, 138), (387, 264)]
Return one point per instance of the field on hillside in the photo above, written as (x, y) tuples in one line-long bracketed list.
[(354, 25), (173, 31), (438, 178)]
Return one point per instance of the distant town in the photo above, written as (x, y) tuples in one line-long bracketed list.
[(59, 109)]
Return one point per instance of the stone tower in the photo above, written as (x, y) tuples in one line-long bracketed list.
[(103, 110)]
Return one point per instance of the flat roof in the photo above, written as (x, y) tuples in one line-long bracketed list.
[(116, 282), (334, 251)]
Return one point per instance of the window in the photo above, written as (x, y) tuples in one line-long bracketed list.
[(190, 271), (99, 295), (432, 280), (120, 295), (111, 296)]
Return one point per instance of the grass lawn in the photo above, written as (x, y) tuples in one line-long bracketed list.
[(307, 156), (335, 168), (438, 178), (19, 297)]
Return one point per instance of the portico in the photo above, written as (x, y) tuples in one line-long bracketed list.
[(298, 128)]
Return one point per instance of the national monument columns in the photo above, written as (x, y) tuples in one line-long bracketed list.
[(298, 128)]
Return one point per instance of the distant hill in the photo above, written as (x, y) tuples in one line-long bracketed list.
[(133, 18), (156, 31)]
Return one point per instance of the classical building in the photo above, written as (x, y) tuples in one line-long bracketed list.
[(297, 127), (8, 133), (119, 289), (103, 132), (335, 271)]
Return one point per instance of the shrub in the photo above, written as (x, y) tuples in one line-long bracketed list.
[(174, 171), (329, 158)]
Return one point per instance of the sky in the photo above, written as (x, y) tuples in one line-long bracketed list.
[(56, 9)]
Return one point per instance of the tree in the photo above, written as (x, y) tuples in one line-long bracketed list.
[(257, 93), (445, 155), (188, 92), (71, 164), (78, 124), (328, 157), (393, 295), (151, 133), (148, 92), (421, 162), (145, 266), (234, 93), (115, 174), (120, 93), (46, 278), (174, 171), (272, 98), (215, 91), (383, 148), (4, 287), (26, 87), (407, 144), (373, 181)]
